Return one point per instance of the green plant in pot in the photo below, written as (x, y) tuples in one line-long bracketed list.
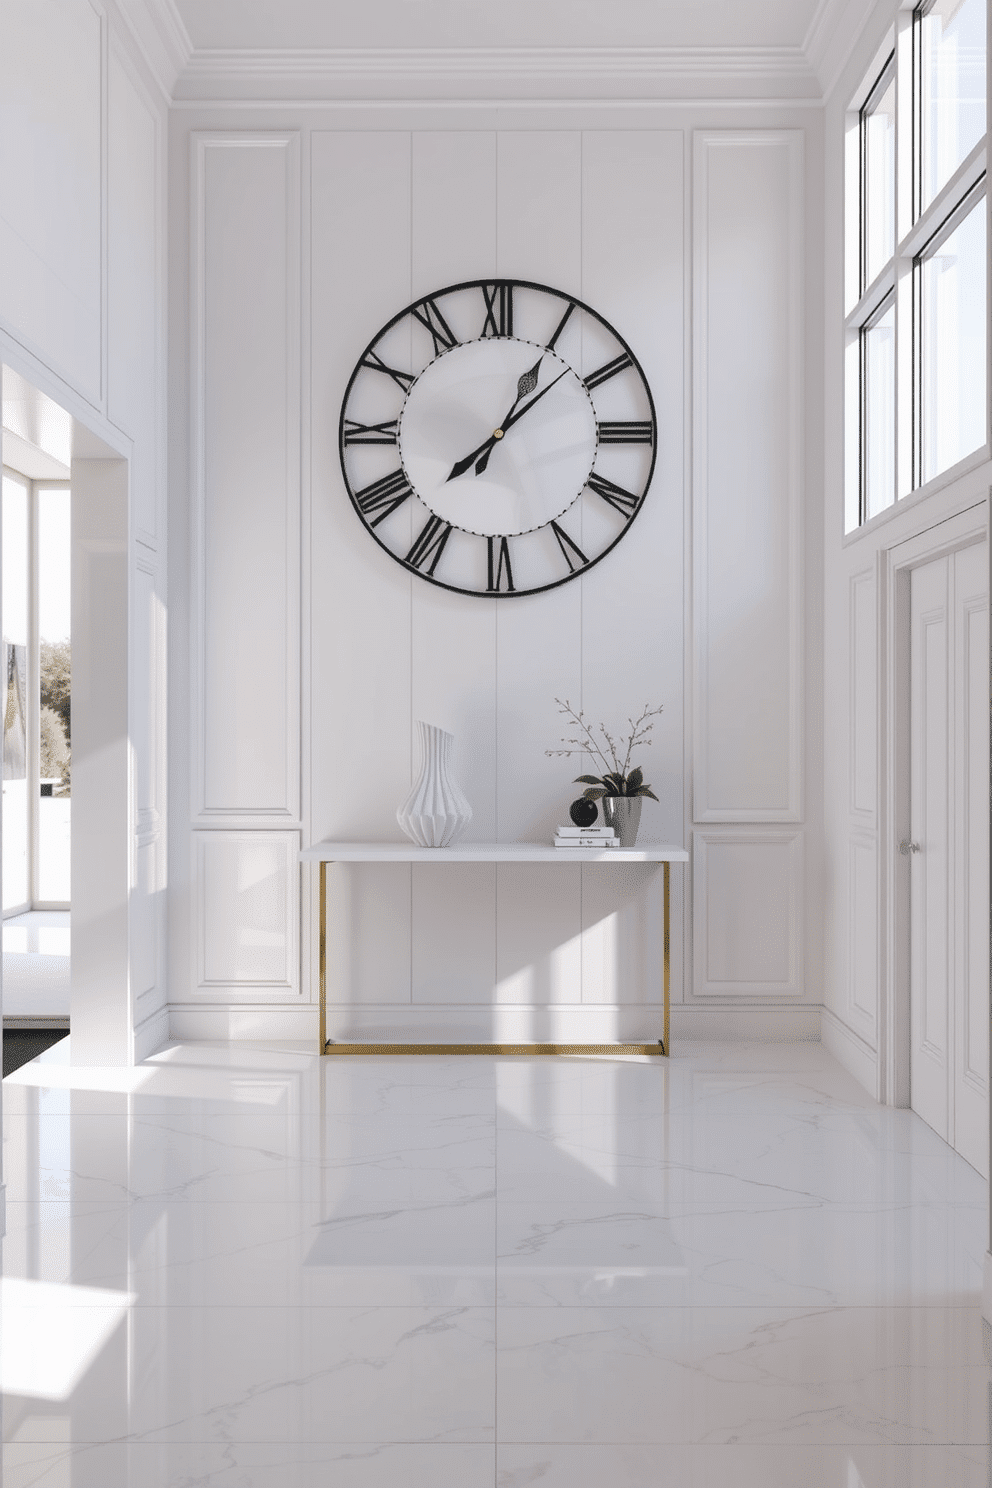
[(620, 788)]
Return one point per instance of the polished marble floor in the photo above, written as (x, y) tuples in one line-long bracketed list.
[(241, 1266)]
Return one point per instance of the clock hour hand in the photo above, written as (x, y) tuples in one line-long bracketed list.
[(511, 419), (525, 384)]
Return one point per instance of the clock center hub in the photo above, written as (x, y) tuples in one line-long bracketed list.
[(532, 450)]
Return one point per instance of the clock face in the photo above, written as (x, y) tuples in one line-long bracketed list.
[(497, 438)]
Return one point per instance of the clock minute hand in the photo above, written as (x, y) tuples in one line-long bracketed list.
[(525, 384), (511, 419)]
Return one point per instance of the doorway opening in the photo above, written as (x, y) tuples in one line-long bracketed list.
[(37, 740)]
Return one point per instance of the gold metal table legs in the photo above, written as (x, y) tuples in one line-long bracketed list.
[(329, 1046)]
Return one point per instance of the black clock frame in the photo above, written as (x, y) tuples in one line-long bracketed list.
[(499, 314)]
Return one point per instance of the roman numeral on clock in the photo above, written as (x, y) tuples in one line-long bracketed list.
[(499, 570), (625, 502), (626, 431), (499, 309), (375, 364), (608, 370), (570, 551), (429, 545), (384, 433), (561, 326), (430, 316), (383, 496)]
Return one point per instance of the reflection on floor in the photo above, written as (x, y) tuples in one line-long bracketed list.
[(242, 1266), (36, 965)]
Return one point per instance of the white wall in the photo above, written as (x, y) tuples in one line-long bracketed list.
[(309, 655), (82, 302)]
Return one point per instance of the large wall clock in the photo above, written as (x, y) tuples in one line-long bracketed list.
[(498, 437)]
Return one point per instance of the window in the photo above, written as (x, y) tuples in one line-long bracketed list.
[(37, 720), (878, 176), (950, 64), (917, 321), (878, 430), (951, 283)]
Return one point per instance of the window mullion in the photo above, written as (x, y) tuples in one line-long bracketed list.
[(33, 710)]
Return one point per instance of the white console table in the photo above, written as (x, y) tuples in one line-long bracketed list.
[(485, 852)]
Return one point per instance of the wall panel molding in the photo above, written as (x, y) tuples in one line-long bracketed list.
[(245, 902), (748, 205), (245, 477), (863, 933), (748, 897), (863, 677)]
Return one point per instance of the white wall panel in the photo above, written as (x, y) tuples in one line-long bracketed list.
[(246, 475), (246, 913), (359, 598), (368, 934), (747, 912), (862, 887), (453, 934), (633, 602), (747, 496), (144, 928), (134, 350), (51, 196), (622, 936), (864, 693), (146, 720)]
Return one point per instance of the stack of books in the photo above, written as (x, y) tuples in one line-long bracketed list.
[(586, 837)]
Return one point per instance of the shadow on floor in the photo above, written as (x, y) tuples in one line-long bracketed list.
[(22, 1044)]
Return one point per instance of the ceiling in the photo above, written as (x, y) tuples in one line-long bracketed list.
[(300, 25)]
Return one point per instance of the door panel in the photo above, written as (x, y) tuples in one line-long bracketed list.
[(929, 813), (949, 875), (971, 971)]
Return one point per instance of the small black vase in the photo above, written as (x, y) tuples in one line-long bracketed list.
[(583, 812)]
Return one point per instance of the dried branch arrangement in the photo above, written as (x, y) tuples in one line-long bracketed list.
[(617, 779)]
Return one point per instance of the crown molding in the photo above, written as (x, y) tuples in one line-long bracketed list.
[(159, 32), (834, 32), (590, 72)]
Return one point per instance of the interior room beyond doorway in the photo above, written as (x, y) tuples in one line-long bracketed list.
[(37, 728)]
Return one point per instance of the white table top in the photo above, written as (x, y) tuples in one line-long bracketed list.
[(489, 852)]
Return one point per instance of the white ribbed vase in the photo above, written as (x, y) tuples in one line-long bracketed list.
[(435, 814)]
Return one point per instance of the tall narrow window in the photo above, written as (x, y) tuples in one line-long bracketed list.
[(950, 55), (878, 440), (952, 344), (916, 326), (878, 175), (55, 670), (16, 822)]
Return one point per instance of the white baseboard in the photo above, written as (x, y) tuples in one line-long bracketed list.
[(487, 1023), (150, 1035), (851, 1051), (217, 1023), (792, 1024)]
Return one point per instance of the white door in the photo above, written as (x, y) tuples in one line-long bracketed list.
[(949, 849)]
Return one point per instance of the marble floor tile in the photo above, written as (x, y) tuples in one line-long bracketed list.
[(247, 1465), (241, 1265), (844, 1376), (271, 1374), (569, 1254), (742, 1467)]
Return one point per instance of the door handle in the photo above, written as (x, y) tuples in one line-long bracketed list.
[(906, 847)]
